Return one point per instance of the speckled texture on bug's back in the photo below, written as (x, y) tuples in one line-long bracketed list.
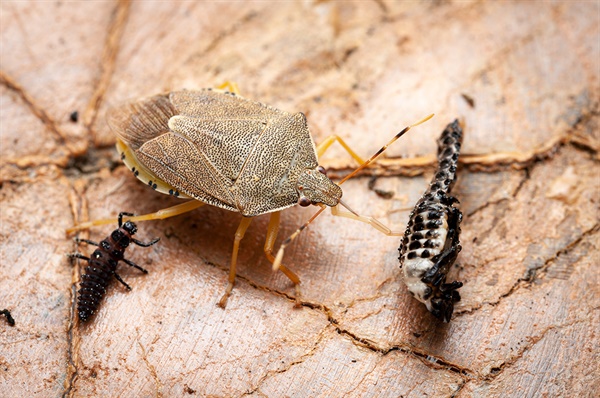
[(220, 148)]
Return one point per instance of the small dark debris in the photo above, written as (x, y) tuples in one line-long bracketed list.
[(470, 101), (9, 318), (188, 390), (74, 116), (380, 192)]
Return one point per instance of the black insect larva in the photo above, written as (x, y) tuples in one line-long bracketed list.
[(431, 242), (9, 318), (103, 265)]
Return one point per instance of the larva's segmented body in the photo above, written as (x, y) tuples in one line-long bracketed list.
[(103, 265), (431, 241)]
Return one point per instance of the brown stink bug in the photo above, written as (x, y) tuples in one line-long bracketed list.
[(221, 149)]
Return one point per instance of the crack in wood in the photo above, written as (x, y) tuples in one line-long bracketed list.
[(531, 275), (116, 28), (38, 111), (300, 360), (151, 369), (496, 371)]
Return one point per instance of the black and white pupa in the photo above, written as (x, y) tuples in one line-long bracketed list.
[(431, 242)]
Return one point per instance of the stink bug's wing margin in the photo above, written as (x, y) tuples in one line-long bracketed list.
[(136, 123)]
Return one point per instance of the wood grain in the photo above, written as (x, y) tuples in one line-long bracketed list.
[(522, 76)]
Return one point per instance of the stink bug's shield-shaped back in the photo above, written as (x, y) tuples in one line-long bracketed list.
[(216, 147)]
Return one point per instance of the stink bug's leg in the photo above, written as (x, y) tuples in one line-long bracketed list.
[(89, 242), (159, 215), (239, 235), (139, 243), (327, 142), (279, 257), (368, 220), (232, 87), (272, 231), (117, 277), (134, 265)]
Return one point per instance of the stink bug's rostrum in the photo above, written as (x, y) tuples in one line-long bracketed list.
[(220, 149)]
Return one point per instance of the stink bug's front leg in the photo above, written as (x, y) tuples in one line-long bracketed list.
[(272, 231), (378, 225), (239, 235)]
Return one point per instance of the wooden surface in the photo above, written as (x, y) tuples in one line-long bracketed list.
[(529, 189)]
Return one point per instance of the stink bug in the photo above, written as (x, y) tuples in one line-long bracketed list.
[(221, 149)]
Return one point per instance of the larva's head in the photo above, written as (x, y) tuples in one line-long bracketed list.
[(130, 227)]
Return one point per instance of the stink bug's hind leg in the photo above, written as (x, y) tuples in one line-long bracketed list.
[(159, 215), (272, 231), (239, 235)]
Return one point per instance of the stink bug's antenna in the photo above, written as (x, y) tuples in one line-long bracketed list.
[(279, 257)]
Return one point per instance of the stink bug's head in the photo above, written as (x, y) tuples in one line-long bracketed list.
[(315, 187), (320, 190)]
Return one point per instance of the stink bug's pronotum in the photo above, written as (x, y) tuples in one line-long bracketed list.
[(102, 266), (431, 241), (221, 149)]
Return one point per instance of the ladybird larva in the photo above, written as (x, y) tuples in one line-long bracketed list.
[(431, 242), (103, 265)]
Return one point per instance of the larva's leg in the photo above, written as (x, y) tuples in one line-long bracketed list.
[(272, 231), (239, 235), (139, 243), (117, 277), (78, 255), (134, 265), (159, 215), (89, 242)]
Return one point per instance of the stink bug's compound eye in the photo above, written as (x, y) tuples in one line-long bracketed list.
[(322, 170), (304, 201)]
